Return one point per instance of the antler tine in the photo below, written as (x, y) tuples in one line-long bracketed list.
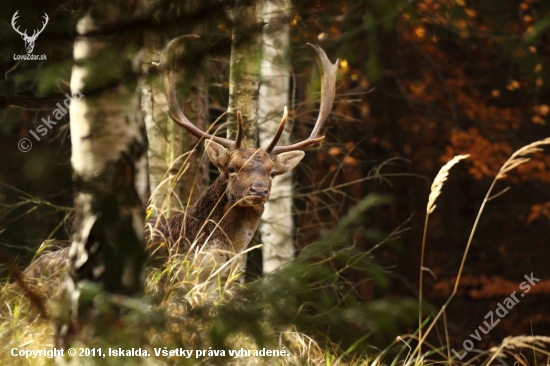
[(279, 132), (328, 90), (36, 32), (239, 136), (44, 23), (174, 111), (13, 19)]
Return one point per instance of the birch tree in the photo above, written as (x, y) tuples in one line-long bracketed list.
[(109, 159), (164, 138), (177, 174), (244, 76), (277, 224)]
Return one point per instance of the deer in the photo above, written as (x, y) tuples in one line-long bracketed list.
[(226, 216), (29, 40)]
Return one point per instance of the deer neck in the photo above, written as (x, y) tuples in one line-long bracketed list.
[(235, 225)]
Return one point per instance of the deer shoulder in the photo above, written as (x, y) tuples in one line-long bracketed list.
[(228, 213)]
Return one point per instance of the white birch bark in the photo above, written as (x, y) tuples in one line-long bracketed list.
[(177, 174), (165, 138), (244, 79), (277, 223), (109, 159), (244, 76)]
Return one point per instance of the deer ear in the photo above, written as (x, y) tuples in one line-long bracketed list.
[(287, 161), (218, 155)]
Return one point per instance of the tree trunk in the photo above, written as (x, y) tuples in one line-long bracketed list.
[(175, 158), (244, 77), (165, 139), (277, 224), (109, 158)]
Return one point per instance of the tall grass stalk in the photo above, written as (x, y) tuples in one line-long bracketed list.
[(519, 157), (435, 191)]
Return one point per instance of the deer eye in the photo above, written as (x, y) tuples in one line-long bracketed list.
[(231, 170), (273, 174)]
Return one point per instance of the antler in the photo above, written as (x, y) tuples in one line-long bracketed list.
[(15, 16), (239, 136), (174, 111), (328, 90), (35, 34), (279, 132)]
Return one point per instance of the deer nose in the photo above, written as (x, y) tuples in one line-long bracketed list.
[(258, 189)]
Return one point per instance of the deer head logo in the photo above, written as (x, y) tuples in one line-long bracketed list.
[(29, 40)]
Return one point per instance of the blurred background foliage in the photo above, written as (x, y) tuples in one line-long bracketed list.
[(419, 82)]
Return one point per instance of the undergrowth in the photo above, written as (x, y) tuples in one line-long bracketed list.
[(306, 308), (306, 311)]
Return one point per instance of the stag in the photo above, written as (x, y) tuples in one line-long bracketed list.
[(227, 214), (29, 40)]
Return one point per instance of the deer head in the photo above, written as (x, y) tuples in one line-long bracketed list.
[(250, 171), (29, 40)]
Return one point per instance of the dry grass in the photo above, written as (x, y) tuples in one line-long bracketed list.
[(435, 191), (517, 158), (177, 310), (439, 180), (185, 302)]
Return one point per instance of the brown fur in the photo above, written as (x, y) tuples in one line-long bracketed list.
[(224, 218), (228, 213), (231, 212)]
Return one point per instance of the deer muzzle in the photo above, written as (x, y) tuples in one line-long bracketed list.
[(256, 195), (258, 190)]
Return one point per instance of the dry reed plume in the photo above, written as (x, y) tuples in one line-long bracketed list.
[(439, 180), (517, 158), (435, 191)]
